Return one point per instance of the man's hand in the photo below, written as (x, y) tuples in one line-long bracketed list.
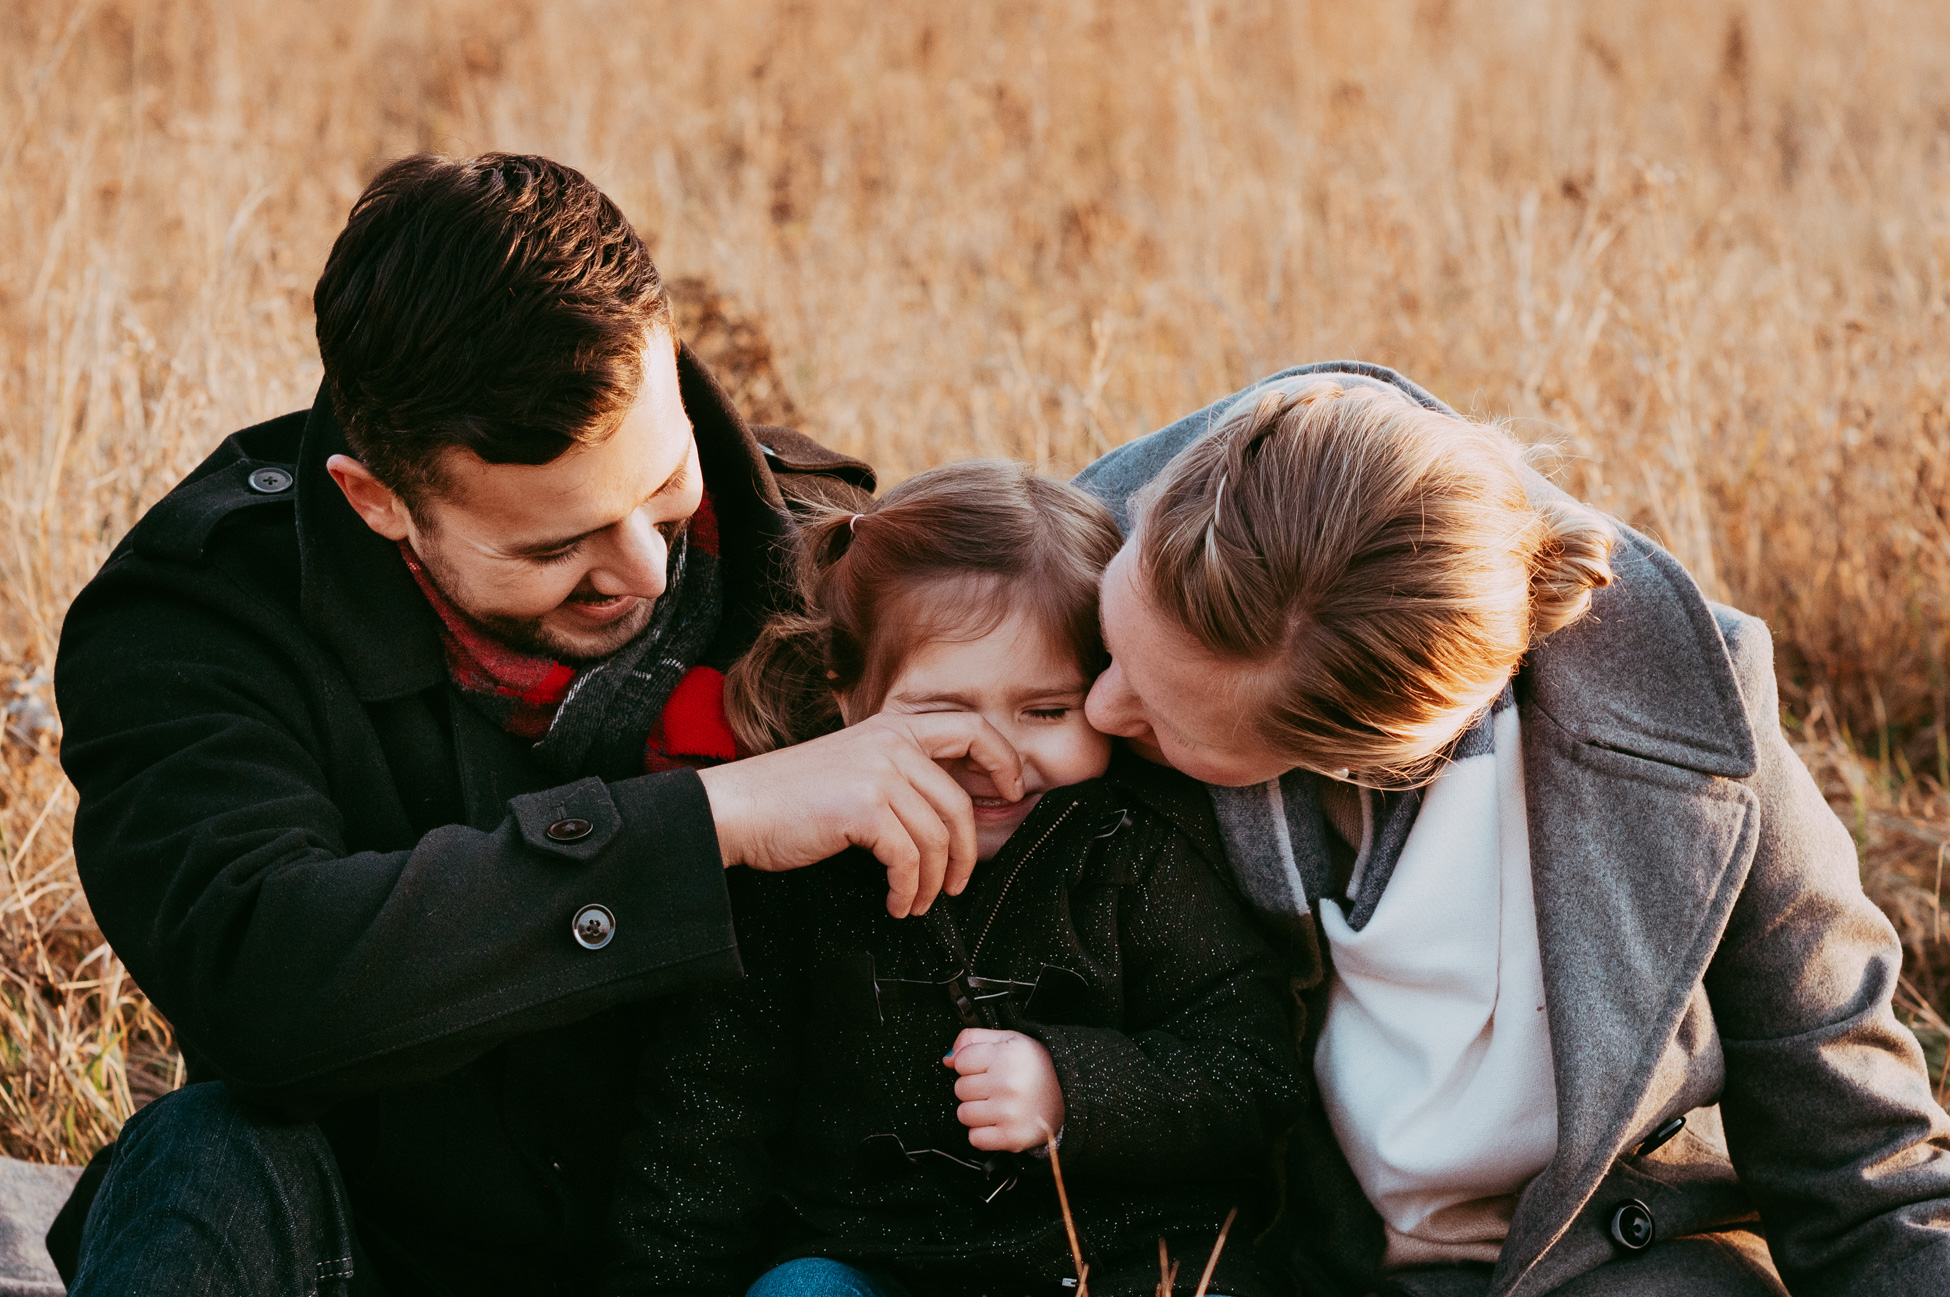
[(1011, 1101), (872, 785)]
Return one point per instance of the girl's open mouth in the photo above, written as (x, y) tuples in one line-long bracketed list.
[(997, 808)]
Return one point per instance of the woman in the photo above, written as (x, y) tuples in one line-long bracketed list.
[(1595, 979)]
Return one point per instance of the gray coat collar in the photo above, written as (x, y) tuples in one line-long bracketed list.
[(1646, 671)]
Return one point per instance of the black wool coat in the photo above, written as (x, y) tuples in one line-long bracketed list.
[(808, 1113), (335, 878)]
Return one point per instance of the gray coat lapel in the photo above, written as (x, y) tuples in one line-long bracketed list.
[(1639, 845)]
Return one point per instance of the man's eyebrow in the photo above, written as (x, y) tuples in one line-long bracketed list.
[(677, 481)]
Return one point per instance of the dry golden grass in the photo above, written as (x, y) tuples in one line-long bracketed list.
[(1703, 247)]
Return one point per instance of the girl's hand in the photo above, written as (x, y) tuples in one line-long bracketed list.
[(1011, 1101)]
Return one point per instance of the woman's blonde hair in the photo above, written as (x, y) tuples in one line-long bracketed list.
[(947, 555), (1380, 559)]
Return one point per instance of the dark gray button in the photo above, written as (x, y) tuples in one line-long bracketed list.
[(569, 830), (593, 927), (1631, 1225), (269, 481)]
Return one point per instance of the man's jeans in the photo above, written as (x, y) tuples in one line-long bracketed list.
[(205, 1197)]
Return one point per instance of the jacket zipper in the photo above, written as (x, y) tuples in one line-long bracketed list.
[(1009, 882)]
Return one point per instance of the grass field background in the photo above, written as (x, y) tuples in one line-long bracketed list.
[(1701, 248)]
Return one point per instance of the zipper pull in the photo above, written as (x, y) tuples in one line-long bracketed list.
[(1118, 820), (962, 996)]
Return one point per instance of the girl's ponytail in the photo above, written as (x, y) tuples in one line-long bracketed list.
[(780, 691)]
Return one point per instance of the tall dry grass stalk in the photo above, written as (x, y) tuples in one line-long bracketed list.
[(1702, 247)]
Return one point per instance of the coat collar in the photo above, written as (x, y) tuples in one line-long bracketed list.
[(1635, 733), (1646, 671), (358, 597)]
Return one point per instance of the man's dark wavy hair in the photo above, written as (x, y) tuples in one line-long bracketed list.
[(498, 303)]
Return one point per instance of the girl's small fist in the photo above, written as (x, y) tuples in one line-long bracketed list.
[(1011, 1099)]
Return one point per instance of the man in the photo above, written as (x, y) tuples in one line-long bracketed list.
[(403, 772), (1599, 1009)]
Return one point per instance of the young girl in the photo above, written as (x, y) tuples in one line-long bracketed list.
[(866, 1112)]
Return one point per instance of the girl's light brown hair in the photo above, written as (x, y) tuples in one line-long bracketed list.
[(1380, 560), (948, 554)]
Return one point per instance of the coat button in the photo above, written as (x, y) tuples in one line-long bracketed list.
[(594, 926), (1631, 1225), (570, 830), (269, 481)]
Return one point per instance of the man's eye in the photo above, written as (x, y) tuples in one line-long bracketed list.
[(562, 555), (1048, 713)]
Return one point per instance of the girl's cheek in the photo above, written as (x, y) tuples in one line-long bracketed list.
[(1072, 754)]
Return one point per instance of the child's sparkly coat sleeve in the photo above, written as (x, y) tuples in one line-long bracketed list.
[(1204, 1075)]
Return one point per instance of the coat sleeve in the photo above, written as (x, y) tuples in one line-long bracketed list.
[(213, 847), (1206, 1075), (1829, 1114), (714, 1091)]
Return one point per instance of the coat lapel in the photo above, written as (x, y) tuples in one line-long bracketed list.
[(1634, 732)]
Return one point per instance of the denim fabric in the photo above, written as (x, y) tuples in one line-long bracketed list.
[(816, 1276), (205, 1197)]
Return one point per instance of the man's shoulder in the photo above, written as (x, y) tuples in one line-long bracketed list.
[(810, 475), (223, 537), (253, 473)]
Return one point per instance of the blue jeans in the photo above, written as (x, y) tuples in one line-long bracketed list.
[(816, 1276), (207, 1198)]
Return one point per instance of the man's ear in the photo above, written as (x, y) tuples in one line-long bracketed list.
[(370, 498)]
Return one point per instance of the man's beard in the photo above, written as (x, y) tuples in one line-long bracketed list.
[(529, 635)]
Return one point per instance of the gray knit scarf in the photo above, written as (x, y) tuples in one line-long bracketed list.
[(1276, 836)]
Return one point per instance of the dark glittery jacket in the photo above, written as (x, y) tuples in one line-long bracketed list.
[(808, 1112)]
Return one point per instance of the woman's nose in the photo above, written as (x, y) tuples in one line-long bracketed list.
[(1111, 707), (635, 561)]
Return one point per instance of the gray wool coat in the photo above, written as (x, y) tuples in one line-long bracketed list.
[(1707, 952)]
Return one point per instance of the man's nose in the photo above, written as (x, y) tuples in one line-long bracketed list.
[(635, 560), (1111, 707)]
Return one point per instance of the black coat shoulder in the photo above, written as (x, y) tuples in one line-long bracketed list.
[(253, 471)]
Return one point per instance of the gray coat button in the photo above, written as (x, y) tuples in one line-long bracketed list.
[(1631, 1225), (269, 481), (593, 927), (569, 830)]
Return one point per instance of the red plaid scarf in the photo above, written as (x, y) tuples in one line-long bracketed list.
[(524, 691)]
